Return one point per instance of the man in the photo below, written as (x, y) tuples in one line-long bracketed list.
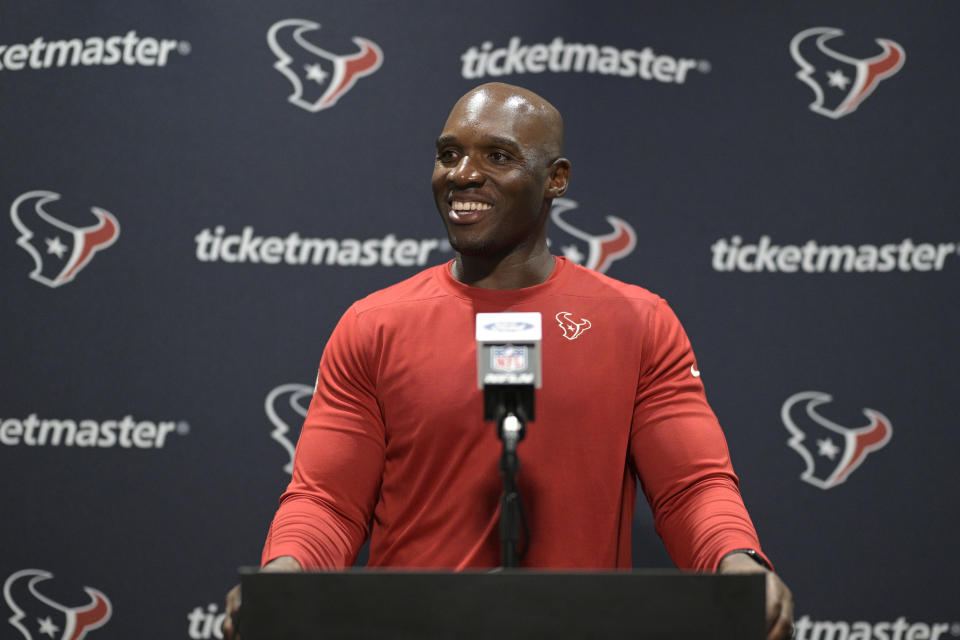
[(395, 438)]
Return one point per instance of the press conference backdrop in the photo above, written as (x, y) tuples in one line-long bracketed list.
[(195, 192)]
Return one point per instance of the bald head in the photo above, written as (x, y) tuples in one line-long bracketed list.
[(498, 170), (523, 114)]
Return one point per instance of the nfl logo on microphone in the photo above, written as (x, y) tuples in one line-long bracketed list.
[(508, 358)]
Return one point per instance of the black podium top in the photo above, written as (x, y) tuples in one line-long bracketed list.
[(656, 605)]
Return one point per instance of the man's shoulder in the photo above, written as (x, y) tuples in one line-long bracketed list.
[(587, 283), (415, 289)]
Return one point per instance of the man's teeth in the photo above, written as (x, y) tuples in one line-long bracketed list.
[(469, 206)]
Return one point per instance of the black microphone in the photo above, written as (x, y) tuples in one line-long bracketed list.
[(508, 370)]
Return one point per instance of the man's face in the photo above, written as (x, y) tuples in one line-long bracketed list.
[(491, 175)]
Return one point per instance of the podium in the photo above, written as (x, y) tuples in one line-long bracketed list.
[(648, 605)]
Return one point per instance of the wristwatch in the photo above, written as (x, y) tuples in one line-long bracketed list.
[(753, 554)]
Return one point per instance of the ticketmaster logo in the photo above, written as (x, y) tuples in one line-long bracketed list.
[(129, 49), (813, 257), (125, 433), (899, 629), (205, 623), (389, 251), (564, 57)]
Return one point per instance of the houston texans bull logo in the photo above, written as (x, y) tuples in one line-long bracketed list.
[(286, 407), (37, 616), (840, 82), (839, 449), (319, 78), (602, 250), (572, 329), (59, 250)]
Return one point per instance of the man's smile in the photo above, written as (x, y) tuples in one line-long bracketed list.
[(468, 211)]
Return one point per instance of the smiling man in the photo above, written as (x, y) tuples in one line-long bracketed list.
[(395, 448), (498, 169)]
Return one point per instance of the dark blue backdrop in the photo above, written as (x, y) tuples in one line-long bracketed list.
[(812, 255)]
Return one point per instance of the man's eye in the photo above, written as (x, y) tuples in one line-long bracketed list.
[(445, 156), (496, 156)]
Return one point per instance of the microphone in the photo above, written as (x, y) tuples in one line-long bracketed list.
[(508, 370), (508, 363)]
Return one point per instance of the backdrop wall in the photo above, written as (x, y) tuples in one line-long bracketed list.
[(197, 191)]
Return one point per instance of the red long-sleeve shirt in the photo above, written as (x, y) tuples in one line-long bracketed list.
[(395, 445)]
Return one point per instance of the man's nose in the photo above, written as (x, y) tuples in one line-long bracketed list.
[(466, 172)]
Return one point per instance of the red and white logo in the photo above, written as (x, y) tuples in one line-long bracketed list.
[(831, 451), (37, 616), (841, 82), (319, 77), (572, 329), (59, 250), (508, 358), (286, 408), (601, 250)]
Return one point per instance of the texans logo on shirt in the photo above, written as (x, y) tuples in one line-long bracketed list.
[(38, 616), (841, 82), (286, 408), (59, 250), (319, 78), (601, 250), (830, 450), (572, 328)]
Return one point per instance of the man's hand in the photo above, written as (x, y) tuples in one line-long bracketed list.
[(231, 620), (779, 598)]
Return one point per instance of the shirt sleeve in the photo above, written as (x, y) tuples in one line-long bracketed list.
[(681, 456), (324, 514)]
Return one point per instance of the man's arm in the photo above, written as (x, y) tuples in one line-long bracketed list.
[(323, 516), (681, 458)]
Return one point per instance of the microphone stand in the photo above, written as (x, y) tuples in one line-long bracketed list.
[(511, 431), (510, 406), (508, 371)]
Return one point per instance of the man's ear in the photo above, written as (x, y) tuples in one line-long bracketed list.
[(559, 178)]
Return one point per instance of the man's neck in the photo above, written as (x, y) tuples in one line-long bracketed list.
[(511, 272)]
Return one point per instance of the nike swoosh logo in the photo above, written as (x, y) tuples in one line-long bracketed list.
[(693, 371)]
